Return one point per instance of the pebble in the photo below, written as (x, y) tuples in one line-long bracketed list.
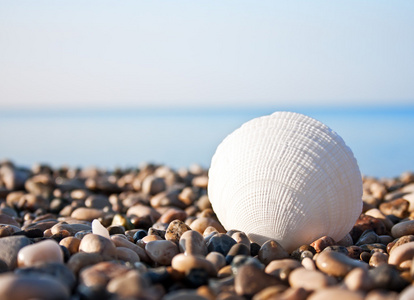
[(161, 252), (310, 280), (192, 242), (402, 253), (81, 260), (217, 259), (240, 238), (173, 214), (45, 251), (251, 280), (358, 280), (398, 207), (87, 214), (175, 230), (272, 250), (337, 264), (322, 243), (403, 228), (200, 224), (14, 287), (9, 220), (101, 273), (130, 285), (99, 229), (387, 277), (184, 263), (275, 266), (237, 249), (119, 241), (377, 259), (336, 293), (93, 243), (400, 241), (368, 237), (220, 243), (8, 230), (127, 255)]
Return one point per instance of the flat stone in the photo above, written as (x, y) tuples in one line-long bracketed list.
[(192, 242), (310, 280), (161, 252), (272, 250), (10, 246), (46, 251), (15, 287), (337, 264), (93, 243)]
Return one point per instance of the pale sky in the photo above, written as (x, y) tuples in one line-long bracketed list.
[(88, 54)]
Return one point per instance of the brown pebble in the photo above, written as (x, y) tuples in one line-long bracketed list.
[(271, 292), (358, 279), (130, 285), (272, 250), (276, 265), (322, 243), (127, 255), (82, 259), (121, 241), (174, 231), (101, 273), (173, 214), (192, 242), (377, 259), (161, 252), (45, 251), (184, 263), (401, 254), (217, 259), (200, 224), (71, 243), (225, 271), (310, 280), (93, 243), (87, 214), (337, 264), (398, 207), (337, 294)]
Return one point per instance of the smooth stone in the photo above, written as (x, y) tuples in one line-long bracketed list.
[(310, 280), (377, 259), (130, 285), (200, 224), (81, 260), (358, 280), (9, 220), (123, 242), (220, 243), (71, 228), (41, 225), (398, 207), (167, 198), (175, 230), (192, 242), (250, 280), (381, 294), (308, 263), (401, 253), (71, 243), (153, 185), (93, 243), (407, 293), (98, 228), (14, 287), (101, 273), (322, 243), (387, 277), (368, 237), (337, 264), (97, 201), (354, 251), (398, 242), (122, 221), (184, 263), (46, 251), (161, 252), (403, 228), (225, 271), (365, 222), (275, 266), (8, 230), (139, 234), (242, 260), (335, 293), (87, 214), (376, 213), (141, 210), (272, 292), (127, 255), (346, 241), (272, 250), (237, 249), (216, 258), (56, 270), (173, 214), (241, 238)]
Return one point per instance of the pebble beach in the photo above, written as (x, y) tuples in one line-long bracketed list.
[(150, 233)]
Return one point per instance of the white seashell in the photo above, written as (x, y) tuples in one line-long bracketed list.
[(285, 177), (98, 228)]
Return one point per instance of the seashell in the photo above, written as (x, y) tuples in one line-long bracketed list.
[(286, 177)]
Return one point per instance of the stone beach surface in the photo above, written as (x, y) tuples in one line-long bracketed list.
[(150, 233)]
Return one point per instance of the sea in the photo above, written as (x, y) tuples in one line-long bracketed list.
[(381, 138)]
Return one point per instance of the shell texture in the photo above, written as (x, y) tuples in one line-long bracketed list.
[(286, 177)]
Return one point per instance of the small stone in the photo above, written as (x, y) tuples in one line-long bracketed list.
[(272, 250), (220, 243), (93, 243), (251, 280), (403, 228), (192, 242), (275, 266), (310, 280), (368, 237), (161, 252), (242, 260), (398, 207), (387, 277), (322, 243), (407, 293), (346, 241), (272, 292), (97, 201), (173, 214), (401, 254), (71, 243), (337, 264), (336, 293), (116, 229), (123, 242), (99, 229), (241, 238), (354, 251), (200, 224), (139, 234), (9, 220), (237, 249), (81, 260), (101, 273), (167, 198), (358, 279), (398, 242), (308, 263), (127, 255), (174, 231), (14, 287), (184, 263), (87, 214), (153, 185), (8, 230), (377, 259), (365, 222), (381, 294), (217, 259), (143, 211), (45, 251), (130, 285)]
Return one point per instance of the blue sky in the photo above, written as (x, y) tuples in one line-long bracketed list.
[(88, 54)]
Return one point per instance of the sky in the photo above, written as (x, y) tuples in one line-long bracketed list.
[(119, 54)]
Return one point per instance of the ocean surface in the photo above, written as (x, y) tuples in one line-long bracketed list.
[(382, 139)]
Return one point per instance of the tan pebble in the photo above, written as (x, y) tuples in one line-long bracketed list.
[(173, 214), (403, 228), (400, 241), (8, 230), (141, 210), (308, 263), (381, 295), (276, 265), (130, 285), (217, 259), (310, 280), (336, 293), (294, 294), (200, 181), (270, 292), (187, 195), (271, 250), (209, 230), (376, 213), (192, 242), (250, 280), (119, 241), (87, 214), (398, 207), (184, 295), (377, 259), (93, 243), (174, 231), (150, 238), (200, 224), (161, 252), (358, 279), (322, 243), (71, 243), (101, 273), (206, 292), (14, 287), (241, 238), (407, 293), (184, 263), (153, 185), (71, 228), (337, 264), (97, 201), (401, 254), (45, 251), (82, 259), (167, 198), (225, 271), (127, 255)]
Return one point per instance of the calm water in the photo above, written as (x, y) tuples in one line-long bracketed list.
[(382, 140)]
